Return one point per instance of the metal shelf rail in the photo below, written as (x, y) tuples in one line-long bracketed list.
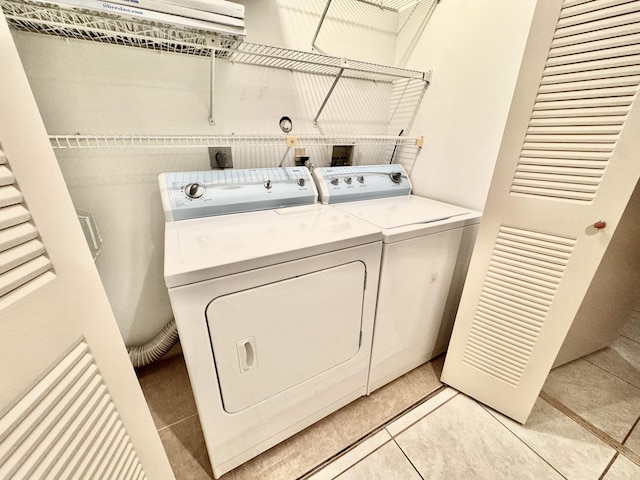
[(176, 141)]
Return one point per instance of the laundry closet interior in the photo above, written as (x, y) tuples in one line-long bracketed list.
[(299, 190)]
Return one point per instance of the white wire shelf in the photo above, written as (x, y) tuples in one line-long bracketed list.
[(318, 64), (393, 5), (177, 141), (51, 19)]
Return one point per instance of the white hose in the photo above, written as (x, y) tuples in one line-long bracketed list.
[(157, 347)]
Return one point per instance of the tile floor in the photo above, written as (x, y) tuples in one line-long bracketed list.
[(584, 425)]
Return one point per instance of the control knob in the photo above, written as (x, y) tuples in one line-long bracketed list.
[(347, 180), (194, 190), (301, 182), (268, 185), (360, 178), (334, 181), (396, 177)]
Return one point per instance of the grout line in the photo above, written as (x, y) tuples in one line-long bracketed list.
[(177, 422), (609, 465), (373, 432), (487, 408), (393, 439), (362, 459), (630, 431), (610, 373), (629, 338), (612, 442), (426, 415)]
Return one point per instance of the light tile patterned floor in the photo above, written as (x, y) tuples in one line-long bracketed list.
[(585, 425)]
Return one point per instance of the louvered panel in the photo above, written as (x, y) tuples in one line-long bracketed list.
[(587, 86), (12, 236), (516, 278), (47, 433), (612, 28), (543, 163), (23, 257), (597, 68), (609, 42), (498, 348), (78, 436), (515, 285), (585, 103), (578, 7), (533, 257), (6, 176), (582, 112), (554, 184), (503, 341), (551, 193), (9, 195), (94, 402), (559, 170), (558, 154), (23, 253), (583, 60), (596, 11), (596, 74), (608, 140), (23, 274), (82, 456), (576, 121), (578, 93), (517, 292), (582, 151), (13, 215), (508, 317)]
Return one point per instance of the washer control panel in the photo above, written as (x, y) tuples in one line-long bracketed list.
[(348, 184), (219, 192)]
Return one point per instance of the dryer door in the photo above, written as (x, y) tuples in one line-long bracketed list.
[(272, 337)]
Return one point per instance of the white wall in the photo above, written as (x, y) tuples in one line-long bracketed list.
[(475, 50), (91, 88)]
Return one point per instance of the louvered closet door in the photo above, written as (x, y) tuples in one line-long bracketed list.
[(570, 157), (70, 404)]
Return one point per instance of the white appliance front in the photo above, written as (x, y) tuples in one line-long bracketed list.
[(427, 246), (272, 350)]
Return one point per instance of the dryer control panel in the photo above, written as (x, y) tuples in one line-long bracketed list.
[(365, 182), (218, 192)]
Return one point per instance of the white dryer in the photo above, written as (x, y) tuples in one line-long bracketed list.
[(427, 246), (275, 307)]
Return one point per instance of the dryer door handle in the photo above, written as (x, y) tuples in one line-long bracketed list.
[(247, 354)]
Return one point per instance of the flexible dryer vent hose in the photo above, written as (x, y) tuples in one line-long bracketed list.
[(157, 347)]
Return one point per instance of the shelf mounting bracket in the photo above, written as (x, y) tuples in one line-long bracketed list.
[(326, 98), (213, 40)]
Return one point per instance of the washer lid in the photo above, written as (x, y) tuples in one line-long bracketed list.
[(211, 247), (410, 216)]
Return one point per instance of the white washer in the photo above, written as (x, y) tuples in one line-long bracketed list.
[(427, 246), (275, 308)]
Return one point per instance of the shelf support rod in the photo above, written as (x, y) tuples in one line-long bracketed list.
[(326, 98), (324, 14), (212, 119)]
